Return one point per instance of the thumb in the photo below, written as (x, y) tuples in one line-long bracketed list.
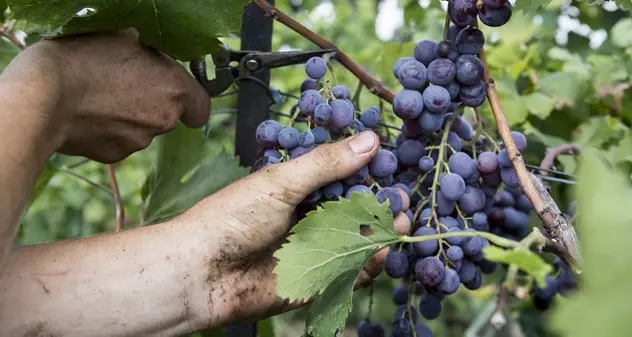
[(327, 163)]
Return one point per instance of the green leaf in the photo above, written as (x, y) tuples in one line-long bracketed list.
[(330, 310), (265, 328), (524, 259), (181, 154), (561, 86), (327, 244), (539, 104), (42, 181), (603, 198), (8, 51), (598, 131), (186, 29), (620, 33), (530, 6)]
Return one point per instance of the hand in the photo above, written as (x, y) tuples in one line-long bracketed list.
[(111, 94), (251, 219)]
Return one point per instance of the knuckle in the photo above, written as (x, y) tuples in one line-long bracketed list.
[(325, 156)]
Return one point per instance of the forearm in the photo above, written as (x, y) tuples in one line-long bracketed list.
[(150, 281), (29, 134)]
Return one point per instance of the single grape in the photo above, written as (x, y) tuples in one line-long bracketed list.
[(407, 177), (479, 222), (399, 63), (341, 92), (394, 197), (452, 186), (495, 17), (272, 153), (472, 201), (403, 312), (449, 285), (467, 272), (385, 181), (308, 101), (306, 139), (342, 113), (503, 158), (426, 163), (400, 295), (476, 283), (463, 129), (473, 245), (412, 75), (448, 222), (358, 177), (423, 330), (487, 162), (509, 177), (473, 179), (370, 118), (455, 253), (313, 197), (408, 104), (515, 220), (370, 330), (453, 31), (462, 12), (473, 91), (469, 70), (470, 40), (309, 84), (492, 180), (429, 271), (495, 3), (448, 50), (299, 151), (430, 306), (454, 88), (288, 138), (520, 140), (411, 128), (457, 240), (504, 198), (487, 267), (265, 162), (322, 114), (441, 71), (444, 206), (425, 51), (358, 189), (320, 135), (316, 68), (462, 164), (410, 215), (267, 133), (403, 187), (455, 141), (524, 204), (550, 290), (425, 248), (436, 99), (410, 152), (357, 126), (401, 328), (396, 265), (333, 191), (383, 164), (430, 122)]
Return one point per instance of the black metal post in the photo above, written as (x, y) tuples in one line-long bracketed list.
[(252, 109), (252, 104)]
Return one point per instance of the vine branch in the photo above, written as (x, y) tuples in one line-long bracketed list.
[(553, 153), (372, 83), (554, 222), (118, 202)]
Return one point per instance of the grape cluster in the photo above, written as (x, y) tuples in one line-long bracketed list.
[(564, 284)]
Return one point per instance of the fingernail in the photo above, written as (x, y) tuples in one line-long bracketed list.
[(362, 143)]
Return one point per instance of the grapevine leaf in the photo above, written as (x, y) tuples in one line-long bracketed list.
[(530, 6), (186, 29), (561, 86), (181, 155), (605, 218), (330, 310), (620, 33), (329, 242), (539, 104), (524, 259), (42, 181)]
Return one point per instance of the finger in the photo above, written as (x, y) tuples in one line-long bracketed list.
[(131, 33), (197, 108), (327, 163), (402, 224), (372, 269)]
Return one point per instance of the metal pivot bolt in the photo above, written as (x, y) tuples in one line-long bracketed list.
[(252, 65)]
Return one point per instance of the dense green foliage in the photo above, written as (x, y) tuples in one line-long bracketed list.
[(555, 93)]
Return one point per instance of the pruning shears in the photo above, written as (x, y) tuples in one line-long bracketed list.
[(233, 65)]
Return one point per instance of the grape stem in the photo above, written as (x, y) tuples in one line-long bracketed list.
[(553, 153), (493, 238), (557, 226), (373, 84)]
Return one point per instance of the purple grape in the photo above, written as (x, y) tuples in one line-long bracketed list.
[(320, 135), (449, 285), (412, 75), (272, 153), (509, 177), (429, 271), (476, 283), (430, 306), (475, 90), (358, 177), (455, 253), (430, 122), (503, 158), (425, 51), (357, 126), (396, 265), (267, 133), (299, 151), (403, 312), (449, 222), (462, 164), (265, 162), (390, 194), (403, 187), (453, 31), (455, 141), (472, 201), (333, 191), (308, 101), (400, 294), (520, 140), (444, 206), (358, 189), (370, 118), (341, 92), (515, 220), (408, 104), (385, 181), (322, 114), (452, 186), (462, 12), (288, 138), (426, 163), (467, 272), (423, 330), (399, 63), (473, 245), (495, 17), (524, 204), (342, 113), (487, 162), (309, 84), (410, 152), (316, 68), (313, 197), (436, 99), (470, 40), (454, 89), (383, 164), (479, 222), (441, 71), (495, 3), (370, 330), (425, 248), (411, 128), (306, 139), (469, 70), (448, 50), (463, 129), (457, 240)]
